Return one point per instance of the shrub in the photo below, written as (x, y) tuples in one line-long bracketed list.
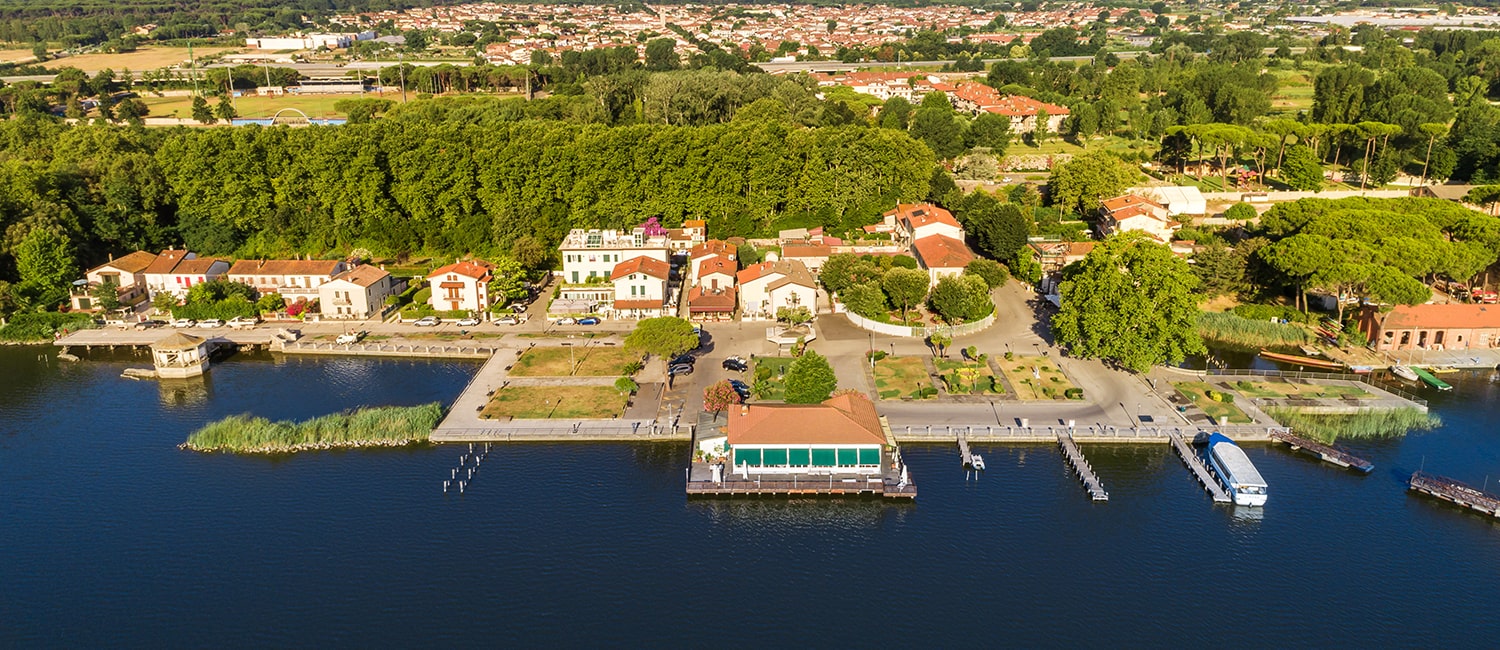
[(1073, 393), (626, 385), (1009, 356), (1240, 212), (632, 368), (40, 326), (877, 354)]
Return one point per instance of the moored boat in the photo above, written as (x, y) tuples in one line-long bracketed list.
[(1235, 471), (1404, 373), (1430, 379), (1302, 361)]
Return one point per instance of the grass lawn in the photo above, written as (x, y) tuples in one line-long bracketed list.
[(146, 58), (254, 106), (540, 402), (592, 360), (1222, 412), (768, 373), (1035, 378), (1057, 145), (903, 378), (1294, 92), (969, 377), (1284, 389)]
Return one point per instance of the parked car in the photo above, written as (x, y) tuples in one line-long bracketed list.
[(741, 388), (184, 322), (428, 321), (150, 324), (680, 369), (565, 320), (242, 322), (212, 322), (588, 321), (685, 358), (508, 320), (468, 322), (736, 365)]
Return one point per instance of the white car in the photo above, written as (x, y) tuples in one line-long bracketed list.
[(468, 322), (507, 320), (242, 322), (567, 320), (212, 322), (349, 337), (184, 322), (428, 321)]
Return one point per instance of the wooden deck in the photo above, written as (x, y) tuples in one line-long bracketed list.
[(805, 486), (1200, 471), (1326, 452), (1454, 492), (1082, 468)]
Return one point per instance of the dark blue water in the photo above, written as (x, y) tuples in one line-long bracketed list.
[(111, 536)]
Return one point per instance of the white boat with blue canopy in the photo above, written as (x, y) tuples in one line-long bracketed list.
[(1235, 471)]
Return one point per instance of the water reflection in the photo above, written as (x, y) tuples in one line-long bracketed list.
[(188, 391), (800, 514)]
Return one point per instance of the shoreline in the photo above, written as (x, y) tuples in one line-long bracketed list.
[(309, 446)]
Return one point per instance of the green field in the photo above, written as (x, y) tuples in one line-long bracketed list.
[(1221, 412), (769, 374), (555, 402), (590, 361), (1035, 378), (1286, 389), (255, 106), (968, 378), (903, 378)]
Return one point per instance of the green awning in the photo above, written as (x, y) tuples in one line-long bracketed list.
[(747, 456), (869, 456), (799, 457), (775, 457), (848, 457), (823, 458)]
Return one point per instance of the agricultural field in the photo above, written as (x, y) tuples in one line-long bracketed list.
[(969, 378), (15, 56), (903, 378), (590, 360), (1294, 92), (256, 106), (1286, 389), (1035, 378), (555, 402), (1224, 412), (769, 377), (146, 58)]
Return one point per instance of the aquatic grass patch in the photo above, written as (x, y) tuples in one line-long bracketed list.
[(382, 426), (1232, 329), (1365, 423)]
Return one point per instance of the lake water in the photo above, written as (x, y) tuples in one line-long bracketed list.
[(112, 536)]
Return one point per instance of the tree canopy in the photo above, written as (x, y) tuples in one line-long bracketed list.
[(665, 337), (810, 379)]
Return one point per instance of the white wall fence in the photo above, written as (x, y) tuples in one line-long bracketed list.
[(920, 332), (1277, 197)]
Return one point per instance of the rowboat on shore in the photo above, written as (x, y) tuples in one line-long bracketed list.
[(1310, 362), (1404, 373)]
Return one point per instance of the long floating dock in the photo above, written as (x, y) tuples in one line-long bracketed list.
[(1082, 468), (1200, 471), (805, 486), (1327, 453), (1452, 491)]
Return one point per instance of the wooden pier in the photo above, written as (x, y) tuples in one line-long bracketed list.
[(1452, 491), (1327, 453), (804, 486), (1082, 468), (1200, 471), (970, 460)]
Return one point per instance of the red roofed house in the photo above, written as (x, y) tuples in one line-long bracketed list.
[(712, 304), (1432, 327), (292, 279), (711, 250), (978, 98), (359, 292), (128, 274), (842, 435), (640, 287), (810, 255), (461, 286), (913, 221), (942, 256), (769, 286), (174, 271), (1136, 213)]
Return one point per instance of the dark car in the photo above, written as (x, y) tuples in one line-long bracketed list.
[(735, 365), (740, 387), (150, 324), (588, 321), (686, 358), (680, 369)]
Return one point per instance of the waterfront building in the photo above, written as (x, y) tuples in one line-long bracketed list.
[(841, 435), (128, 273), (1432, 327), (640, 288), (589, 256), (175, 271), (935, 237), (769, 286), (461, 286), (359, 292), (179, 355), (292, 279)]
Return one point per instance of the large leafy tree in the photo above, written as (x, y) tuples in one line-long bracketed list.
[(961, 298), (1130, 301), (905, 287), (665, 337), (46, 264), (810, 379), (1301, 170), (1081, 183), (998, 230), (719, 397)]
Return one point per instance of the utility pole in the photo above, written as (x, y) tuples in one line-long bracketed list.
[(193, 67), (401, 67)]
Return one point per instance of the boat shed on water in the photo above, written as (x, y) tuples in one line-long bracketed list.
[(842, 435)]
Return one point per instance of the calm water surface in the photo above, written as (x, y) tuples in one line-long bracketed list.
[(111, 536)]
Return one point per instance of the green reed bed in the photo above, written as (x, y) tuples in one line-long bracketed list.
[(1367, 423), (384, 426), (1229, 328)]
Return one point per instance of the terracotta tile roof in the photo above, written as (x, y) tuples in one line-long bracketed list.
[(363, 275), (711, 301), (638, 303), (694, 223), (647, 265), (1442, 317), (1121, 202), (476, 269), (845, 419), (177, 341), (790, 272), (1064, 248), (285, 267), (713, 247), (196, 265), (805, 250), (136, 262), (717, 265), (942, 252), (990, 100), (916, 215), (166, 261)]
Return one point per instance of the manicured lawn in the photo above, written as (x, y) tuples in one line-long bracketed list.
[(1222, 412), (556, 402), (591, 360), (256, 106), (903, 378), (1035, 378), (1285, 389), (769, 374), (969, 377)]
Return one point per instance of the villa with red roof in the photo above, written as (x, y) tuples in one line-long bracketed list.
[(461, 286), (127, 273), (936, 238), (292, 279), (769, 286), (640, 287), (977, 98), (174, 271)]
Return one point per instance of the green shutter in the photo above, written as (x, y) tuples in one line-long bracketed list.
[(747, 456), (823, 458), (848, 457), (869, 456), (776, 457), (799, 458)]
